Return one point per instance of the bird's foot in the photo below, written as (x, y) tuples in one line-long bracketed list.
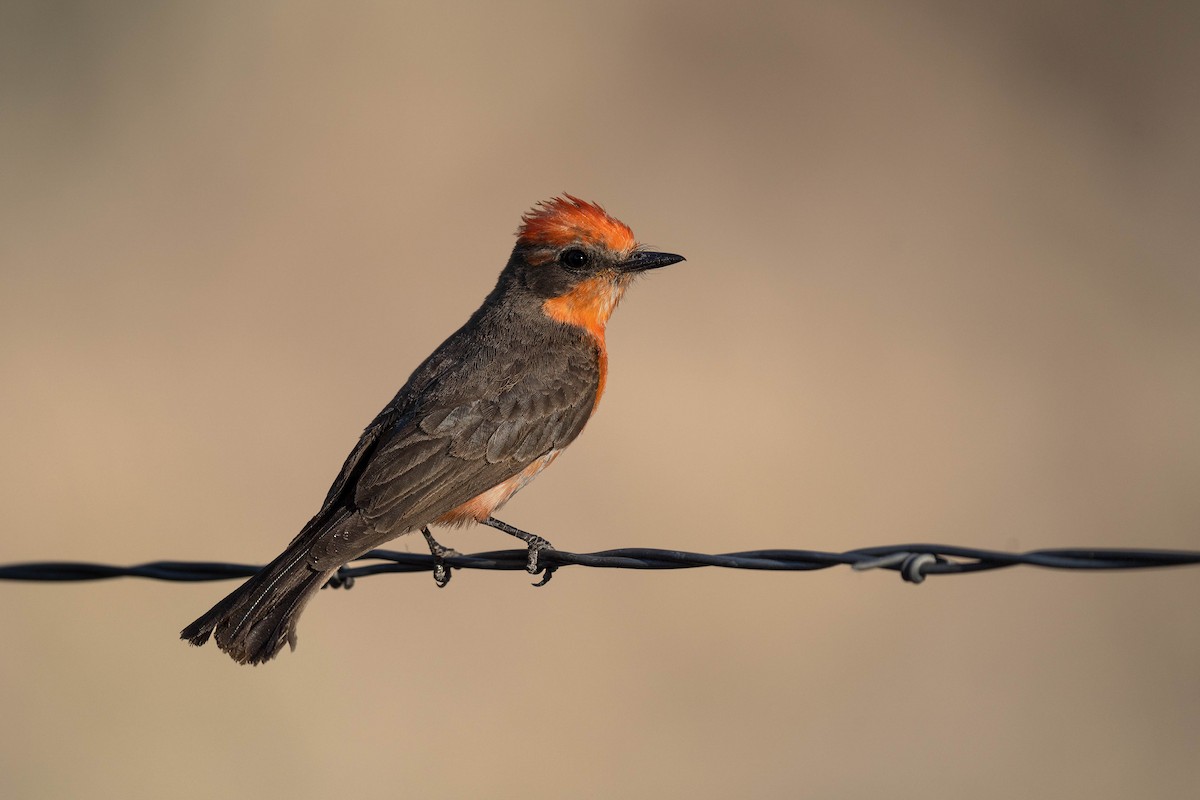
[(536, 544), (441, 570)]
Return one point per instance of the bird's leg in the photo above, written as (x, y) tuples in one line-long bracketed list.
[(441, 571), (536, 545)]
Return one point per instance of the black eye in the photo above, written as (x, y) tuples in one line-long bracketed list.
[(573, 259)]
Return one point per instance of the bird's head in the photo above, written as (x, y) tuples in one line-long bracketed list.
[(579, 260)]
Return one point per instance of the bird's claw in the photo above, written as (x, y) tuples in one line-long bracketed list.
[(536, 545), (441, 570), (547, 574)]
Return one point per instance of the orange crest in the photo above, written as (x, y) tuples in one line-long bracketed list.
[(562, 220)]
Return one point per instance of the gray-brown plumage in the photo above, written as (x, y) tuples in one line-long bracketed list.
[(479, 418)]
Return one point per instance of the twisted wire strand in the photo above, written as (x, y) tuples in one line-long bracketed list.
[(914, 562)]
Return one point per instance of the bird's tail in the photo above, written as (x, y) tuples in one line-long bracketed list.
[(255, 620)]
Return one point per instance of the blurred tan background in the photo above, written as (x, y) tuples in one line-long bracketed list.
[(942, 285)]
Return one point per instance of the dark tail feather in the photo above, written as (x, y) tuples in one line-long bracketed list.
[(256, 619)]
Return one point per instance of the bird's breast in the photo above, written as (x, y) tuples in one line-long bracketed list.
[(483, 505), (589, 306)]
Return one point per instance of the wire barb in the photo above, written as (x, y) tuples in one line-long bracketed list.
[(914, 562), (912, 566)]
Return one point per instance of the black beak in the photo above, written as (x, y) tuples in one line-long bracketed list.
[(643, 260)]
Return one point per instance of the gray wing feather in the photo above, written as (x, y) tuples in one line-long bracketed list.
[(439, 456)]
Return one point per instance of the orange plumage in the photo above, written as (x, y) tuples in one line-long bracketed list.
[(562, 220)]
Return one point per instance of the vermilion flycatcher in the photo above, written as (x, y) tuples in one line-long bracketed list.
[(489, 410)]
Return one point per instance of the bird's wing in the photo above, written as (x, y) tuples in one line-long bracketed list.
[(334, 499), (435, 459)]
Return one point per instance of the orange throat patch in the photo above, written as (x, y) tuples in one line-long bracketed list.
[(588, 306)]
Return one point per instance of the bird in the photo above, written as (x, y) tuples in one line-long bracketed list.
[(488, 410)]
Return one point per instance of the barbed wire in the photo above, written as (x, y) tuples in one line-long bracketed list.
[(914, 562)]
